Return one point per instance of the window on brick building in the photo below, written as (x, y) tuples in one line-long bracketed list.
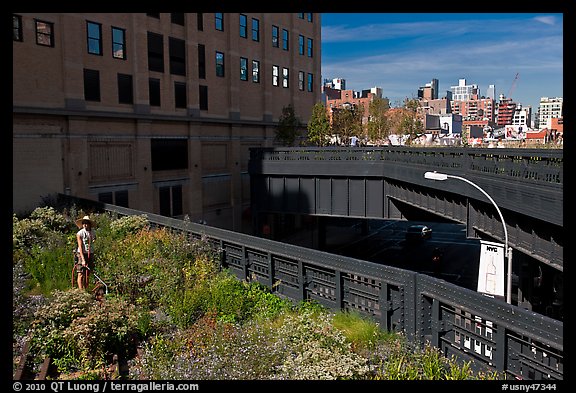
[(155, 52), (243, 26), (275, 75), (243, 69), (44, 33), (275, 37), (17, 28), (203, 95), (91, 85), (177, 18), (170, 201), (180, 100), (177, 52), (219, 64), (94, 38), (118, 43), (255, 29), (154, 91), (201, 61), (219, 21), (255, 71), (168, 154), (125, 89)]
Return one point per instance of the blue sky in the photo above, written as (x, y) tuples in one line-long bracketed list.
[(401, 52)]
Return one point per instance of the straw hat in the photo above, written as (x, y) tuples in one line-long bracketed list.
[(80, 221)]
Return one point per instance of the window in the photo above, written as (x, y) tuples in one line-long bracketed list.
[(200, 21), (171, 201), (284, 39), (310, 47), (118, 43), (155, 52), (255, 29), (118, 198), (275, 72), (243, 26), (310, 82), (309, 16), (203, 90), (177, 51), (201, 61), (153, 15), (91, 85), (168, 154), (177, 18), (255, 71), (125, 95), (44, 33), (301, 80), (219, 64), (243, 69), (285, 77), (180, 100), (301, 44), (94, 32), (154, 91), (219, 21), (275, 38), (17, 28), (301, 15)]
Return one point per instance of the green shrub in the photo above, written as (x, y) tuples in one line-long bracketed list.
[(79, 333), (129, 225)]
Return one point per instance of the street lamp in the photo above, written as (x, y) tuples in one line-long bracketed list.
[(507, 251)]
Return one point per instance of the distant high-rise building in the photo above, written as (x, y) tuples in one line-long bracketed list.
[(429, 91), (339, 84), (549, 108), (491, 92), (506, 110), (464, 92)]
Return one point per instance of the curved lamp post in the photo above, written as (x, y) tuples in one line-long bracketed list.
[(507, 250)]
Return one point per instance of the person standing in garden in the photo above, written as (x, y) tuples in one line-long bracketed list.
[(84, 256)]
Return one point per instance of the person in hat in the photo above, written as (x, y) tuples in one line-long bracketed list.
[(84, 256)]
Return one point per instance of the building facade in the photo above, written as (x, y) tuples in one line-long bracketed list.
[(548, 109), (155, 111)]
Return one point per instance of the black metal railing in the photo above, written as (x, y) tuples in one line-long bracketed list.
[(494, 335)]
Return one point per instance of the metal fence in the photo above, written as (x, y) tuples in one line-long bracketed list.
[(494, 335)]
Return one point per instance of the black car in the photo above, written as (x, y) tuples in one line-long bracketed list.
[(418, 232)]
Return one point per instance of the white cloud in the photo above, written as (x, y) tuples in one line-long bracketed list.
[(548, 20)]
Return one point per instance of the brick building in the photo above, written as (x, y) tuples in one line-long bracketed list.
[(155, 111)]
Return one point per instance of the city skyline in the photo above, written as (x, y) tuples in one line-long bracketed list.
[(401, 52)]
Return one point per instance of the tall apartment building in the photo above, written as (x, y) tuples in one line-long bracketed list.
[(155, 111), (548, 109), (505, 111), (429, 91), (464, 92)]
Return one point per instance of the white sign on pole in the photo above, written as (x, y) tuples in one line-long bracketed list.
[(491, 272)]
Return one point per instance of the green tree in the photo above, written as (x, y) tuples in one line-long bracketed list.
[(346, 122), (411, 123), (287, 128), (319, 125), (379, 126)]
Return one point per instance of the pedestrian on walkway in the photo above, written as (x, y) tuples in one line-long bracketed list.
[(84, 255)]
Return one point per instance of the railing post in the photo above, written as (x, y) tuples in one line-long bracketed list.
[(501, 349)]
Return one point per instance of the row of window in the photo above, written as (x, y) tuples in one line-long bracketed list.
[(177, 58), (44, 31), (179, 19), (45, 36), (125, 86), (170, 199)]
